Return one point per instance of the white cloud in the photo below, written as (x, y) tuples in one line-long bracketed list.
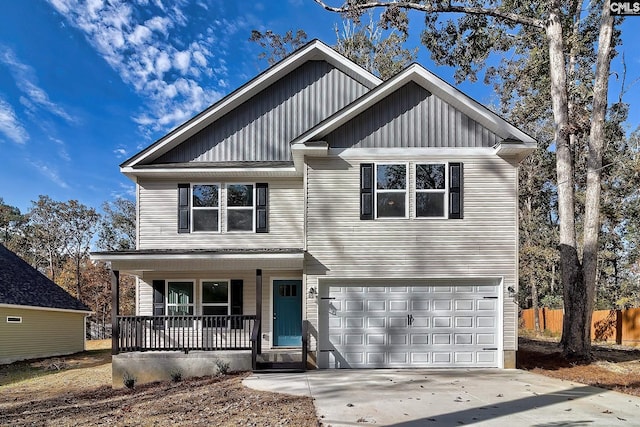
[(50, 173), (35, 97), (162, 52), (62, 149), (120, 152), (10, 126)]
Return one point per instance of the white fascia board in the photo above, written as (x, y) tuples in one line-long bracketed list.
[(187, 257), (314, 50), (186, 173), (433, 84), (33, 307), (299, 151), (517, 150)]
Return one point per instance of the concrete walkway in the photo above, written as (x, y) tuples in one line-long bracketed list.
[(452, 397)]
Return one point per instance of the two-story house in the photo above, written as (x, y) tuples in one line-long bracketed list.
[(374, 223)]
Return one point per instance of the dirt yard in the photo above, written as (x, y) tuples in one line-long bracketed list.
[(80, 394), (76, 391), (613, 367)]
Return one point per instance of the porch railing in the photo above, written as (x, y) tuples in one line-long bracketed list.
[(184, 333)]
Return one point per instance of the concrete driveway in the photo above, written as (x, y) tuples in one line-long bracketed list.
[(427, 397)]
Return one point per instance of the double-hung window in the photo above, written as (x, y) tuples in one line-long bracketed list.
[(435, 190), (391, 190), (431, 190), (205, 207), (180, 302), (215, 297), (240, 207)]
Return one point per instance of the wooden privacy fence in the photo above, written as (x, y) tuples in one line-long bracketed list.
[(616, 326)]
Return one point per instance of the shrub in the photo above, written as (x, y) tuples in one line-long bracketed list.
[(176, 376), (128, 380), (223, 367)]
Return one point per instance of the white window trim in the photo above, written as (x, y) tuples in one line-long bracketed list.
[(202, 304), (232, 208), (166, 292), (218, 208), (376, 190), (445, 191), (14, 319)]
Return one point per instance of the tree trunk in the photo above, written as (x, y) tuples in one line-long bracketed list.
[(570, 268), (534, 305), (594, 170)]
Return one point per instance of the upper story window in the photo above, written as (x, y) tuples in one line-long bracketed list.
[(436, 190), (240, 207), (220, 207), (431, 190), (391, 190), (205, 207)]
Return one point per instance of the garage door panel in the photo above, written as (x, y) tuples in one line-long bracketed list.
[(405, 326)]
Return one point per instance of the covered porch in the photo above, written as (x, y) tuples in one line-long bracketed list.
[(194, 301)]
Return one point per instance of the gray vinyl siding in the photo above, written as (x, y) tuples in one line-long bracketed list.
[(411, 117), (158, 224), (145, 291), (42, 333), (261, 129), (482, 245)]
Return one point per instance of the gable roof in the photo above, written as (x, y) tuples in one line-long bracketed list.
[(432, 83), (23, 285), (314, 50)]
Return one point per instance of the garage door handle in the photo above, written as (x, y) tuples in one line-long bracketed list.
[(491, 348), (410, 319)]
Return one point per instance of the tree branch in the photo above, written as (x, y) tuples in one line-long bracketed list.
[(512, 17)]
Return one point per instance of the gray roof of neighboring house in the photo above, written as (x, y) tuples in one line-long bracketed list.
[(21, 284)]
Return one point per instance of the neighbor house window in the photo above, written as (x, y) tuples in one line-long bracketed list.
[(431, 190), (240, 207), (205, 207), (391, 190), (215, 297), (14, 319)]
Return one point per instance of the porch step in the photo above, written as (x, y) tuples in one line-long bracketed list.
[(279, 367), (280, 356)]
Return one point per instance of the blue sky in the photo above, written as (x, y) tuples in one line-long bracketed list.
[(85, 85)]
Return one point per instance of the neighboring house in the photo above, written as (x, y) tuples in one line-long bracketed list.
[(37, 317), (382, 217)]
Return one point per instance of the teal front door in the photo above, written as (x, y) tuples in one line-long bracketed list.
[(287, 313)]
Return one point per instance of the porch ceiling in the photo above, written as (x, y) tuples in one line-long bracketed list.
[(138, 261)]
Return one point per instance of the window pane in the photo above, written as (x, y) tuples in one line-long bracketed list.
[(180, 293), (215, 310), (215, 292), (240, 220), (205, 196), (205, 220), (430, 177), (180, 310), (391, 177), (239, 195), (430, 204), (391, 205)]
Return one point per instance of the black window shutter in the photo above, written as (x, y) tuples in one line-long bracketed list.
[(183, 208), (158, 302), (236, 302), (455, 190), (366, 191), (262, 201)]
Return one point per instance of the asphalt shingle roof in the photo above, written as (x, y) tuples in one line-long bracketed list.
[(21, 284)]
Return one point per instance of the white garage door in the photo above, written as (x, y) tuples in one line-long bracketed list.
[(410, 326)]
